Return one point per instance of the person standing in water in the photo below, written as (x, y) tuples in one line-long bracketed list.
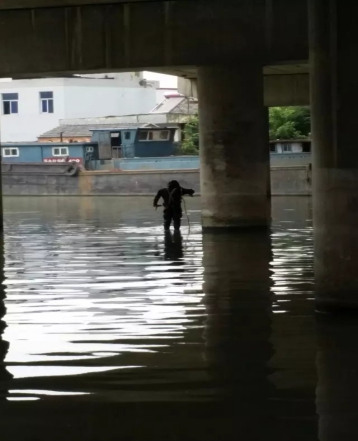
[(172, 198)]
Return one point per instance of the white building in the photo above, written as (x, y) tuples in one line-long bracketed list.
[(290, 146), (32, 107)]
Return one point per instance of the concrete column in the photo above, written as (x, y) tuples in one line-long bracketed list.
[(234, 152), (334, 92)]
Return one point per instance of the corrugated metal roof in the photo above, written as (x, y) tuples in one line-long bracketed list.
[(168, 105), (84, 130), (37, 143)]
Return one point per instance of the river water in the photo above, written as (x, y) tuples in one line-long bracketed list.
[(113, 330)]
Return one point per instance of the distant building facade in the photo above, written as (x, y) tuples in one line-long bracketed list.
[(106, 144), (290, 146), (31, 107), (173, 112)]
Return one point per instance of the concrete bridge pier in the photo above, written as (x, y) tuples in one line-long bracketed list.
[(234, 153), (334, 91)]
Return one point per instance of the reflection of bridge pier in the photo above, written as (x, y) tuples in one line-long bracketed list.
[(337, 389), (238, 327), (4, 345)]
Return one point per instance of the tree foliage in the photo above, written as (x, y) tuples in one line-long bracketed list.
[(290, 122), (285, 123), (190, 143)]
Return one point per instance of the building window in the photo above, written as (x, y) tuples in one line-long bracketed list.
[(163, 135), (286, 148), (306, 147), (10, 103), (46, 102), (127, 135), (89, 149), (10, 152), (273, 148), (154, 135), (60, 151), (143, 135)]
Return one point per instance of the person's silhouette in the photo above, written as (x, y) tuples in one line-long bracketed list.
[(172, 197)]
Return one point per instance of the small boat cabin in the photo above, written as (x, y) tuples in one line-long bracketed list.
[(105, 144), (134, 142), (80, 153)]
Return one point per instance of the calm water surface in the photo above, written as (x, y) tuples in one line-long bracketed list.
[(117, 331)]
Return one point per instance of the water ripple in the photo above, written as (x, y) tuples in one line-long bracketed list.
[(103, 306)]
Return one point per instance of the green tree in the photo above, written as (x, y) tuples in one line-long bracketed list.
[(290, 122), (190, 143), (285, 123)]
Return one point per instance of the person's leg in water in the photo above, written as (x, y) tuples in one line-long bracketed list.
[(168, 216), (168, 241), (177, 215)]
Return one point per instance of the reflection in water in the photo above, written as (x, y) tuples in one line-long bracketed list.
[(5, 376), (93, 296), (173, 245), (238, 326), (337, 366), (293, 334), (119, 331)]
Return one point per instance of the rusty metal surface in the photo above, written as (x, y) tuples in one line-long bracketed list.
[(40, 168)]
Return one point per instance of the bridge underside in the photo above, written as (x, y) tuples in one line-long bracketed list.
[(89, 36), (93, 36), (284, 85)]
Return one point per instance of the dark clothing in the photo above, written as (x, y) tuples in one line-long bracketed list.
[(172, 197), (172, 214)]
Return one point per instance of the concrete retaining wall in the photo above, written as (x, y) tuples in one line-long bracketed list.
[(291, 181), (290, 159), (165, 163), (190, 162), (284, 181), (40, 168)]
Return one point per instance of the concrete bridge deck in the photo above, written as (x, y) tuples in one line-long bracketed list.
[(91, 36)]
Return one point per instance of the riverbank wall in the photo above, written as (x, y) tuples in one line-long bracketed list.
[(285, 180), (188, 162)]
